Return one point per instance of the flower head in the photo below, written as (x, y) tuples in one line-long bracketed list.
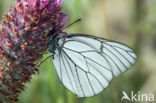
[(23, 40)]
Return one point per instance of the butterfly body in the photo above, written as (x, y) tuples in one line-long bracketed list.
[(55, 41)]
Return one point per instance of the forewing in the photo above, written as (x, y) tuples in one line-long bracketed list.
[(87, 64)]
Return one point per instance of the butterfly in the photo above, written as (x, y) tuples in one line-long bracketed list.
[(86, 64)]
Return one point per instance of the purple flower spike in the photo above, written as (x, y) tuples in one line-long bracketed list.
[(58, 3), (23, 40)]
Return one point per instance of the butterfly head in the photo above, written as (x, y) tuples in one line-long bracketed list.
[(56, 39)]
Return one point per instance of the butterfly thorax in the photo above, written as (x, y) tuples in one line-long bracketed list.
[(55, 41)]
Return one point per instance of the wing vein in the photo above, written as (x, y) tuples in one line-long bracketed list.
[(88, 57), (124, 56), (99, 73), (70, 69), (97, 80), (76, 70), (90, 84), (131, 56), (97, 63), (112, 61), (67, 74), (79, 81), (60, 69), (118, 47), (117, 57)]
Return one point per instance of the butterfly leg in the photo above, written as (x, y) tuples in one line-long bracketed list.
[(45, 59)]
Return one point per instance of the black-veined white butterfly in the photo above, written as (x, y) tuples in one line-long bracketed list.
[(86, 64)]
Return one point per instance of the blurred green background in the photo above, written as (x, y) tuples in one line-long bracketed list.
[(132, 22)]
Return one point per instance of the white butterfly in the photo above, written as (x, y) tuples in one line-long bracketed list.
[(86, 64)]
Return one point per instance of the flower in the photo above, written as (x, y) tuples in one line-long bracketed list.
[(23, 40)]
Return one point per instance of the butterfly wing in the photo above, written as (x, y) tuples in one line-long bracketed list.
[(86, 64)]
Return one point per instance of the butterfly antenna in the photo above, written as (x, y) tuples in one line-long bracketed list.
[(72, 23)]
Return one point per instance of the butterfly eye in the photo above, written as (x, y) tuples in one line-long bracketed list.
[(61, 41), (51, 32)]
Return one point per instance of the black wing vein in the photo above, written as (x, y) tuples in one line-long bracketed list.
[(67, 73)]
